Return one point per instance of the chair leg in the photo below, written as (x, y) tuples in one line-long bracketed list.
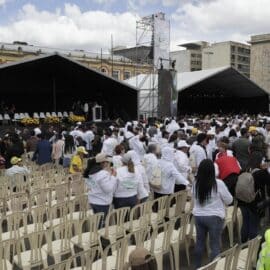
[(172, 263), (230, 232), (187, 252), (175, 252), (159, 259)]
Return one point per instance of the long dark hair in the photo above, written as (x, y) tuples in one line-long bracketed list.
[(205, 181)]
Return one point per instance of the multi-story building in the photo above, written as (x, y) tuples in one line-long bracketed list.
[(227, 53), (117, 66), (189, 59), (260, 60)]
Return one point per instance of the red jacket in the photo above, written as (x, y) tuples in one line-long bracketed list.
[(227, 165)]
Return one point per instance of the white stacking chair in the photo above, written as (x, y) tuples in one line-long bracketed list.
[(65, 114), (71, 113), (54, 114), (48, 114), (35, 115), (42, 115), (60, 115), (22, 115), (1, 117), (17, 117), (27, 115), (228, 259), (6, 117), (7, 248)]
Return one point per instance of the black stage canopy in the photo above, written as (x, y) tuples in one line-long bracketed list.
[(219, 90), (54, 83)]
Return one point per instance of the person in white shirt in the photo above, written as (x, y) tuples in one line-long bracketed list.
[(129, 184), (137, 145), (181, 162), (117, 158), (210, 199), (101, 181), (150, 160), (109, 143), (16, 169), (198, 150), (88, 137), (169, 174)]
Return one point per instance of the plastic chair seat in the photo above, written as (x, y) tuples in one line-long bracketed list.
[(26, 256), (86, 241), (6, 265), (110, 263)]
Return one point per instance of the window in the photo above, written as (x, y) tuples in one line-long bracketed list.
[(126, 75), (115, 74)]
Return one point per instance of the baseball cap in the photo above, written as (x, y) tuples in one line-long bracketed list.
[(101, 157), (15, 160), (182, 143), (81, 149), (252, 128)]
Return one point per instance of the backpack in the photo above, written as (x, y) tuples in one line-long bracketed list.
[(245, 190)]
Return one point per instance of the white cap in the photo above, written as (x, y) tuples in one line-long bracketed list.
[(211, 132), (182, 143)]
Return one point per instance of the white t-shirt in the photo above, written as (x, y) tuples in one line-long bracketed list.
[(108, 146), (215, 206)]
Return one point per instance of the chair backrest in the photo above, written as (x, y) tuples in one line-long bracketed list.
[(139, 217), (54, 114), (177, 202), (159, 206), (83, 259), (41, 197), (48, 114), (211, 266), (79, 205), (120, 250), (35, 115), (65, 114), (6, 116), (117, 218), (231, 257), (77, 187), (60, 115), (59, 210), (91, 225), (252, 251), (62, 192), (18, 201), (7, 251), (31, 242), (138, 237)]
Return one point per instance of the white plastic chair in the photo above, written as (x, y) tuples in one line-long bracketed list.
[(48, 114), (6, 117), (35, 115), (22, 115), (27, 115), (17, 116), (54, 114), (42, 115), (60, 115), (1, 117), (65, 114)]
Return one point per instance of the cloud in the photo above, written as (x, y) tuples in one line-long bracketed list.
[(219, 20), (69, 27), (104, 2), (2, 3)]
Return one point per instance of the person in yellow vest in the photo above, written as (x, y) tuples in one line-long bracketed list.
[(76, 164), (264, 256)]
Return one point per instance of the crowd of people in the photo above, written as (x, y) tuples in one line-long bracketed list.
[(210, 155)]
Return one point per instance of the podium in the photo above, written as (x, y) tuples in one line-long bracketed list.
[(97, 113)]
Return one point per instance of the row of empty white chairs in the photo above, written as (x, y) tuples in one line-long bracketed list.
[(36, 115)]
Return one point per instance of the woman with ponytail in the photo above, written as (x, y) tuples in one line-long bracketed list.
[(210, 198), (129, 184)]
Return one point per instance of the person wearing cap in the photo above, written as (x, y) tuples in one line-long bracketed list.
[(169, 174), (17, 167), (76, 163), (194, 132), (181, 162), (198, 150), (129, 185), (101, 181)]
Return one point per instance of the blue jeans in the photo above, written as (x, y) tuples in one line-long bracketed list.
[(125, 202), (212, 225), (251, 222), (97, 208)]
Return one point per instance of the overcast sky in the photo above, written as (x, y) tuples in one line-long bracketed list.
[(88, 24)]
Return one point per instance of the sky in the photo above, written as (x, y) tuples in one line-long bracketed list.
[(89, 24)]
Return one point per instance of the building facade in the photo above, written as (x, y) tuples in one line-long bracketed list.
[(119, 67), (260, 60), (228, 53), (189, 59)]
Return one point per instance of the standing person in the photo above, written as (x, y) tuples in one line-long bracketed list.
[(169, 174), (250, 211), (43, 153), (101, 182), (128, 186), (58, 149), (76, 163), (151, 160), (31, 144), (88, 138), (117, 158), (181, 162), (210, 197), (241, 148), (109, 143), (198, 151)]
